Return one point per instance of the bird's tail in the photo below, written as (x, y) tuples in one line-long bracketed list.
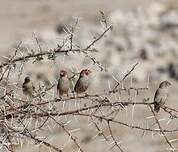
[(156, 107)]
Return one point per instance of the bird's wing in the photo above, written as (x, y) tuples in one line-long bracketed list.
[(58, 84), (23, 86), (161, 96), (76, 88), (157, 97)]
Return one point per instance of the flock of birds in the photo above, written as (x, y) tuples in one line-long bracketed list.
[(63, 85), (83, 83)]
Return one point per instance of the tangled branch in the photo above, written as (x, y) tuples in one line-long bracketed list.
[(25, 118)]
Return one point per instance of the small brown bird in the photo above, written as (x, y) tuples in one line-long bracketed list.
[(161, 95), (28, 87), (83, 82), (63, 83)]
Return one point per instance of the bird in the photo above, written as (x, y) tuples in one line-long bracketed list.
[(28, 87), (83, 81), (161, 95), (63, 84)]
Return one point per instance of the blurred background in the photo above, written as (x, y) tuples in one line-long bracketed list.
[(144, 31), (19, 18)]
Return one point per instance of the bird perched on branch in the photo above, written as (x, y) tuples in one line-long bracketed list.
[(161, 95), (83, 82), (63, 83), (28, 87)]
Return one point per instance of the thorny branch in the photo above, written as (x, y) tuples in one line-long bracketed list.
[(113, 138), (56, 51), (16, 113), (125, 76), (161, 130)]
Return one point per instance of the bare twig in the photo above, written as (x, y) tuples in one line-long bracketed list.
[(112, 136), (125, 76), (161, 130), (98, 38)]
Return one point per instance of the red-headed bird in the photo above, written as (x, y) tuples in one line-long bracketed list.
[(83, 81)]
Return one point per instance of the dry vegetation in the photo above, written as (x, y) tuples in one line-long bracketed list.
[(103, 118)]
